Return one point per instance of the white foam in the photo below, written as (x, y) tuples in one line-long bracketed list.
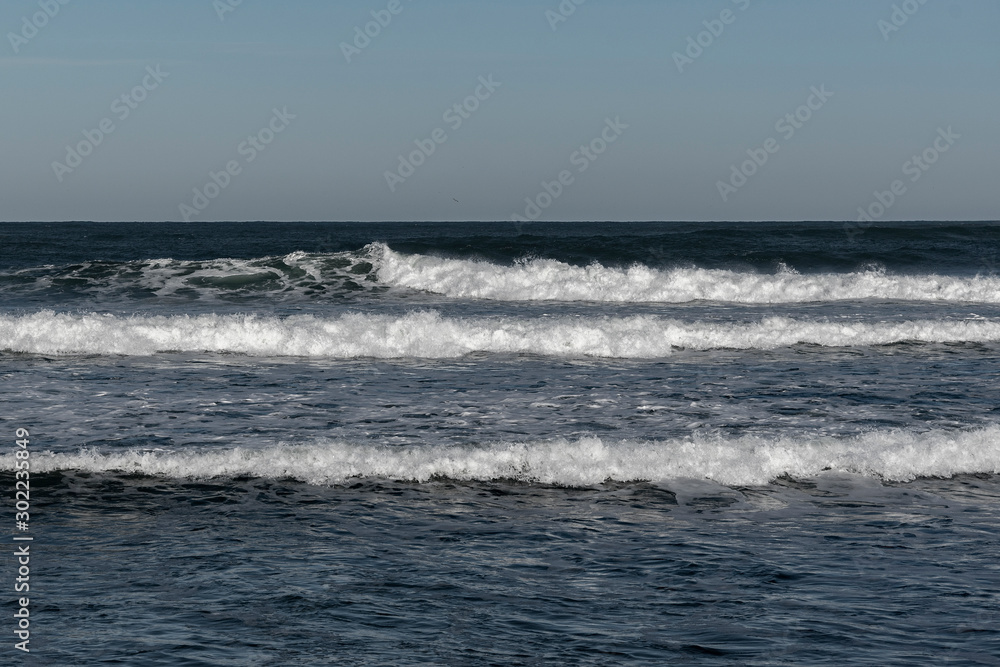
[(888, 455), (549, 280), (426, 334)]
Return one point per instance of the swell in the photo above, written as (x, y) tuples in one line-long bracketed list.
[(751, 460), (427, 334)]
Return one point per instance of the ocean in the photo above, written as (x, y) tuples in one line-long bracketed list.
[(489, 444)]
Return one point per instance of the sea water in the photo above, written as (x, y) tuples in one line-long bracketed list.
[(479, 444)]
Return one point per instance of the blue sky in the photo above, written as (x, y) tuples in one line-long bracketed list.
[(687, 127)]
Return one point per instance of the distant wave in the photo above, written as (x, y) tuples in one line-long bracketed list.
[(550, 280), (426, 334), (889, 455), (304, 276)]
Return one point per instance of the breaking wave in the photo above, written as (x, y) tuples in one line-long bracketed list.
[(551, 280), (426, 334), (746, 461), (308, 277)]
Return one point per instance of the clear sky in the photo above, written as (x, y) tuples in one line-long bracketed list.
[(674, 126)]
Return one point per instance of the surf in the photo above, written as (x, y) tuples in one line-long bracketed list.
[(551, 280), (896, 455), (428, 334)]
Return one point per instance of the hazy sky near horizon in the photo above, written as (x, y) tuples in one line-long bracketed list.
[(680, 126)]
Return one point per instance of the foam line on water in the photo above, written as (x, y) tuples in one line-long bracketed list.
[(751, 460), (426, 334), (550, 280)]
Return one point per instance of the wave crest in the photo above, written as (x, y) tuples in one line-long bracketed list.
[(426, 334), (551, 280), (747, 461)]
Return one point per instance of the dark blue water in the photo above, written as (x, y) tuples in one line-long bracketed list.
[(296, 444), (946, 247)]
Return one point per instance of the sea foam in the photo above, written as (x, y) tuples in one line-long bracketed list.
[(426, 334), (749, 460), (550, 280)]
